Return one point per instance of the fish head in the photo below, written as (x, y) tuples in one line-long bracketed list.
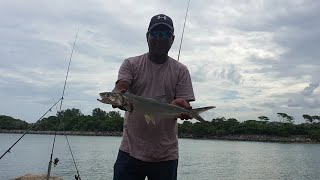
[(112, 98)]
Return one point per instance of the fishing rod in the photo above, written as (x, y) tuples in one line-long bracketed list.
[(32, 127), (61, 119), (184, 25), (49, 110)]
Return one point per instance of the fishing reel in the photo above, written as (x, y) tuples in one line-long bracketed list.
[(55, 162)]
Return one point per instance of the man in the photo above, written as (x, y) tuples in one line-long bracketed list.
[(151, 150)]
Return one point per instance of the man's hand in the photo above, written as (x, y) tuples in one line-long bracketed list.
[(185, 104), (121, 87), (119, 91)]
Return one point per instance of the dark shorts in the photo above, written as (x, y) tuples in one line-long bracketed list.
[(129, 168)]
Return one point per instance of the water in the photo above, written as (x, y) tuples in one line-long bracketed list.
[(199, 159)]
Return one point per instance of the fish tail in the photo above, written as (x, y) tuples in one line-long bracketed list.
[(196, 113)]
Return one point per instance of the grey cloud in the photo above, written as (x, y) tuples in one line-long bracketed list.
[(36, 41), (309, 89), (230, 73), (304, 102), (19, 48), (205, 72), (297, 31), (297, 100), (199, 73), (293, 25)]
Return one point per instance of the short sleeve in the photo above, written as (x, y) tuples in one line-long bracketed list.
[(125, 72), (184, 87)]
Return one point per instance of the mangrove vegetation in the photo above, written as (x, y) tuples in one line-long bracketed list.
[(102, 121)]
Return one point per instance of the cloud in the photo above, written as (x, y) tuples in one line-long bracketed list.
[(310, 89), (230, 73), (242, 57)]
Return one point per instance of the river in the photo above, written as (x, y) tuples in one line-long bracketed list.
[(199, 159)]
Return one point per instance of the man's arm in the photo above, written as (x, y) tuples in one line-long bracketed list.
[(184, 92), (125, 77), (121, 87)]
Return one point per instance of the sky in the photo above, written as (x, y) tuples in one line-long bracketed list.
[(247, 58)]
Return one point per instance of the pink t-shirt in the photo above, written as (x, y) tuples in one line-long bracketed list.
[(164, 82)]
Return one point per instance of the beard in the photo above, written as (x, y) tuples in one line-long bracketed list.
[(159, 48)]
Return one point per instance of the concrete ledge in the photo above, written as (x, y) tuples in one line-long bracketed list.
[(36, 177)]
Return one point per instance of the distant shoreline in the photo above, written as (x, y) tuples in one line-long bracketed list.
[(257, 138), (71, 133)]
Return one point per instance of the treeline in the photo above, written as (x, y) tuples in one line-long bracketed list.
[(69, 120), (74, 120), (102, 121), (9, 123), (223, 127)]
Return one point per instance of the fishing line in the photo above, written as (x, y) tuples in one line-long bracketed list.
[(184, 25), (61, 118)]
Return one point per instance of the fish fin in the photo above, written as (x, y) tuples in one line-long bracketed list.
[(149, 118), (199, 118), (128, 108), (203, 109), (196, 113)]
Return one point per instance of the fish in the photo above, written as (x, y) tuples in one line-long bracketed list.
[(151, 108)]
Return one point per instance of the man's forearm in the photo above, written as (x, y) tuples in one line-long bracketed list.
[(121, 86)]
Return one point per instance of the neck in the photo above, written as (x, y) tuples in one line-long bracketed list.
[(158, 58)]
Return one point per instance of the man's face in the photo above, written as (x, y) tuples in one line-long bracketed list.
[(160, 39)]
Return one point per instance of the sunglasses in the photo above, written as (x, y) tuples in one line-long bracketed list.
[(161, 34)]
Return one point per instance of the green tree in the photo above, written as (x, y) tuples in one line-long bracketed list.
[(10, 123), (69, 113), (185, 127), (314, 134), (69, 118), (99, 113), (115, 121), (308, 118), (282, 116), (289, 119), (316, 118), (199, 130), (263, 118), (219, 119), (47, 124)]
